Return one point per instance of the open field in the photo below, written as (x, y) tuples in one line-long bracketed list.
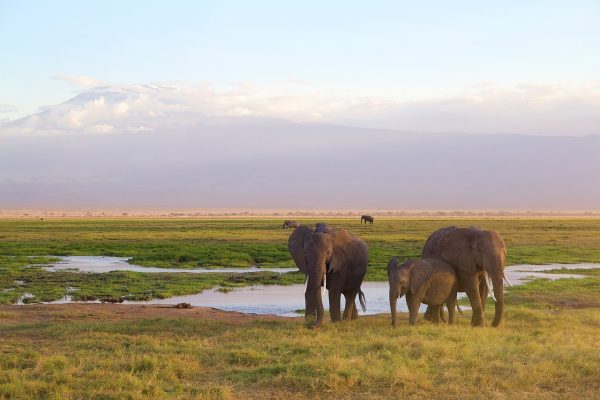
[(17, 279), (243, 242), (189, 243), (545, 349)]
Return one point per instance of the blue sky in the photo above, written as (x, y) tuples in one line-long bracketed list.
[(391, 49), (197, 100)]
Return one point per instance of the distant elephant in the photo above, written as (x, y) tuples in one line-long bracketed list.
[(429, 281), (335, 257), (290, 224), (367, 218), (478, 256)]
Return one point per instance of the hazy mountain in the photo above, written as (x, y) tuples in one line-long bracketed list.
[(242, 162)]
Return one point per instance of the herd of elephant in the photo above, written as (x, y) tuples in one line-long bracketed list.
[(453, 259)]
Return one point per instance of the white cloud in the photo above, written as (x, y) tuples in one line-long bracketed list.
[(479, 108), (79, 81), (7, 108)]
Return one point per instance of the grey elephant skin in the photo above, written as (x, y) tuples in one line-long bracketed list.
[(335, 257), (367, 218), (290, 224), (478, 256), (429, 281)]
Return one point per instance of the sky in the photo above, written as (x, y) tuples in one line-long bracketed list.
[(480, 67), (382, 104)]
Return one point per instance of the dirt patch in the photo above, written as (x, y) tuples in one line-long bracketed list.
[(10, 314), (575, 304)]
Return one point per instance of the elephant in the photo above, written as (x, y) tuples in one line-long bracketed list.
[(430, 281), (366, 218), (478, 256), (290, 224), (336, 258)]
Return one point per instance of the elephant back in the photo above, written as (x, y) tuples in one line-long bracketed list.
[(453, 245)]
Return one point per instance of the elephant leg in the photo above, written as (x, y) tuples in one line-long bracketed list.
[(435, 312), (413, 303), (350, 308), (451, 303), (471, 286), (393, 305), (442, 316), (483, 291), (334, 305), (354, 311), (428, 314), (347, 310)]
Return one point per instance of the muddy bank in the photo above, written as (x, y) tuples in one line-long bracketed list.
[(33, 313)]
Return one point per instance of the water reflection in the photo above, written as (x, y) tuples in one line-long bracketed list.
[(282, 300)]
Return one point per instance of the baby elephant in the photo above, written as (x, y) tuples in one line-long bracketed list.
[(428, 281)]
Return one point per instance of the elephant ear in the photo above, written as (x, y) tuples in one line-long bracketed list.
[(342, 242), (296, 246), (394, 262), (347, 247), (420, 275)]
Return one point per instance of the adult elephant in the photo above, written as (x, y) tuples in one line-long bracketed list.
[(290, 224), (367, 218), (336, 258), (478, 257)]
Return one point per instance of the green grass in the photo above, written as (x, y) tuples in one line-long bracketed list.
[(546, 348), (16, 279), (192, 243), (545, 293), (543, 350)]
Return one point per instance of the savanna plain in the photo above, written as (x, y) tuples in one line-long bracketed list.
[(546, 348)]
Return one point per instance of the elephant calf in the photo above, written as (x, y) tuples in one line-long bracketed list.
[(428, 281)]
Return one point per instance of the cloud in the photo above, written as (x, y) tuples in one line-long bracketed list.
[(7, 108), (480, 108), (79, 81)]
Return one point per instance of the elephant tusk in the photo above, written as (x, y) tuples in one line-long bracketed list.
[(488, 282), (507, 281)]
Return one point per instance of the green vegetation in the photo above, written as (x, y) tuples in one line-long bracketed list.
[(192, 243), (568, 292), (546, 347), (18, 279), (543, 350)]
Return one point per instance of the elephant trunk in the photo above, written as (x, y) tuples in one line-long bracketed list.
[(309, 302), (499, 295), (494, 267), (393, 303), (313, 297)]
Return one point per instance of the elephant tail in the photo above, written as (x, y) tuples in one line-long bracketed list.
[(460, 310), (363, 302)]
